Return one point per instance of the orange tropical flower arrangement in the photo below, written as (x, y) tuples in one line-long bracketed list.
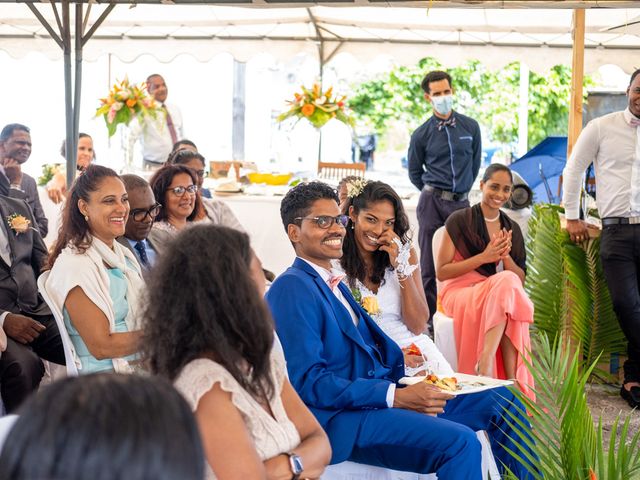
[(317, 106), (125, 102)]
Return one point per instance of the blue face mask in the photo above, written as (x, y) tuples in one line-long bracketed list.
[(442, 104)]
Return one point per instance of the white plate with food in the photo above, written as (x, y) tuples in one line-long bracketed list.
[(459, 383)]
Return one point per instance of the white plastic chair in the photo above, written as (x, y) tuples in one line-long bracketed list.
[(72, 368), (358, 471), (443, 334), (6, 423)]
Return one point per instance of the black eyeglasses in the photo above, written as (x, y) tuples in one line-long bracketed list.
[(179, 191), (325, 221), (140, 214)]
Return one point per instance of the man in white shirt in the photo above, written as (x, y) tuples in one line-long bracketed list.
[(346, 369), (612, 144), (157, 136)]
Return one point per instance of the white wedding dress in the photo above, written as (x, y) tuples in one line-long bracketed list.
[(390, 321)]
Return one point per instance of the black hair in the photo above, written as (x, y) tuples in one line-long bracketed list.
[(8, 130), (634, 75), (74, 229), (152, 76), (180, 157), (434, 76), (203, 303), (160, 183), (351, 261), (133, 182), (63, 147), (184, 141), (493, 168), (297, 202), (104, 426)]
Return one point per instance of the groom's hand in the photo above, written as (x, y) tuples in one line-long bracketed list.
[(421, 397)]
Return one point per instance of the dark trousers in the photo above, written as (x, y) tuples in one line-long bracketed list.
[(21, 367), (432, 212), (620, 254), (447, 445)]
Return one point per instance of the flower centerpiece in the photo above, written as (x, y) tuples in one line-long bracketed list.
[(125, 102), (317, 106)]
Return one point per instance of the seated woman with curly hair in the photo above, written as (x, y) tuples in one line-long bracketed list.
[(208, 329), (381, 264)]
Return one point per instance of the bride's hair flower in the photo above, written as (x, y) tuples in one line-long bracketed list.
[(355, 187)]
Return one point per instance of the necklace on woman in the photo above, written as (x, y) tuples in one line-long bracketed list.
[(492, 219)]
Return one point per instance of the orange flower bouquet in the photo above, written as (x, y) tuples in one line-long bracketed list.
[(317, 106), (125, 102)]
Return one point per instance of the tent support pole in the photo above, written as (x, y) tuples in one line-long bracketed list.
[(68, 95), (77, 90), (577, 80)]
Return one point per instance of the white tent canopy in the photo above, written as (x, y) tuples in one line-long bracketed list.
[(539, 37)]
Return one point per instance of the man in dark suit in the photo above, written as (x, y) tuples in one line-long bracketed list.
[(15, 142), (346, 369), (31, 330), (142, 213)]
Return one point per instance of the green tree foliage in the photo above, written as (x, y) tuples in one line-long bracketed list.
[(491, 97)]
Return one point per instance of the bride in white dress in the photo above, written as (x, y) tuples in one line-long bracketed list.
[(383, 274)]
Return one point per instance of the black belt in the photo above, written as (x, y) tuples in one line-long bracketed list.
[(446, 195), (620, 221)]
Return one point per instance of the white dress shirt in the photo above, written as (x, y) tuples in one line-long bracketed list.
[(611, 143), (326, 276), (154, 134)]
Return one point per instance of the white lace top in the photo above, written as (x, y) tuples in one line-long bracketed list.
[(271, 436), (390, 321)]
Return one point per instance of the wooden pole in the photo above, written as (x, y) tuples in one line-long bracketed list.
[(577, 79)]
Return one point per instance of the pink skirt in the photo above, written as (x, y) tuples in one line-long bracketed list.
[(478, 303)]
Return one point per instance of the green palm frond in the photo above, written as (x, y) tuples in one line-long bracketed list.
[(561, 433), (545, 269), (567, 287)]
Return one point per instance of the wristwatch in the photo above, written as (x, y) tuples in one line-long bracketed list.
[(295, 463)]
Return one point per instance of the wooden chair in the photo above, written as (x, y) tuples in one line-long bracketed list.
[(337, 171)]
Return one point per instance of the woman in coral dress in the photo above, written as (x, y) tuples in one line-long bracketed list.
[(481, 267)]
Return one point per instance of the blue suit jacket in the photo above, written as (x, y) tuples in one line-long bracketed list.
[(331, 367)]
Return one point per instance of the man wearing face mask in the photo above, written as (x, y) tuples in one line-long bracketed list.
[(444, 159)]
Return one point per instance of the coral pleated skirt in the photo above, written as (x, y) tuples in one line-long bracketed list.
[(478, 303)]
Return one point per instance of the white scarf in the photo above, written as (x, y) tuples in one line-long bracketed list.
[(100, 253)]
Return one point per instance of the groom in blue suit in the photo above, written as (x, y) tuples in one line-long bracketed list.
[(345, 368)]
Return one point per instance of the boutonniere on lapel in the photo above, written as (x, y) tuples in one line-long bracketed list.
[(370, 304), (19, 223)]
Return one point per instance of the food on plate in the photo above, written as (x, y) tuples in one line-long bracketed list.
[(412, 350), (444, 383)]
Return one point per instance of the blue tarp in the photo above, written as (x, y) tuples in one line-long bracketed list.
[(550, 156)]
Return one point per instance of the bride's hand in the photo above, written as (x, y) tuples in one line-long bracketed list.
[(413, 361), (387, 244)]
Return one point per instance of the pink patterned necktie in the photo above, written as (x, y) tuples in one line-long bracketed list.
[(334, 280), (634, 121)]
